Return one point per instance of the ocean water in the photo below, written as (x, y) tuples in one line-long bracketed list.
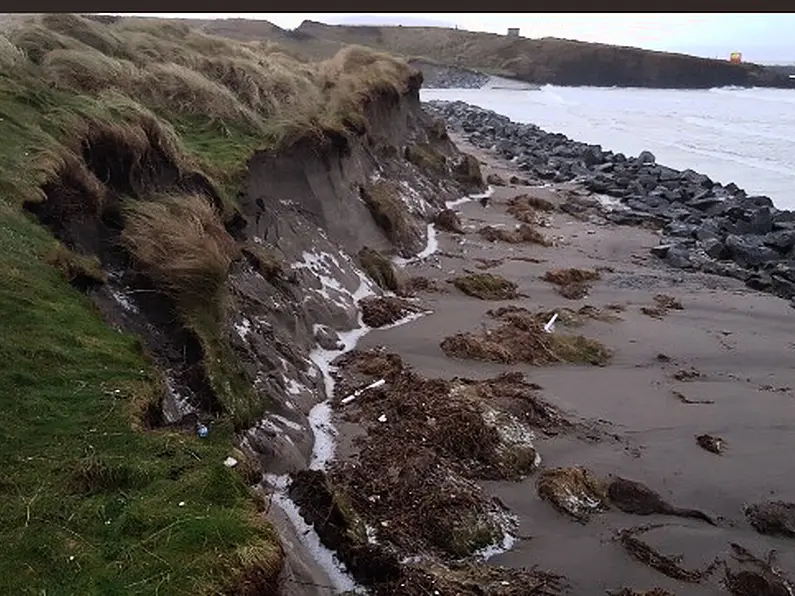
[(745, 136)]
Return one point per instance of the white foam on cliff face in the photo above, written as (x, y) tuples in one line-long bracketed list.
[(430, 247), (325, 558), (243, 328), (124, 301), (320, 415), (433, 243)]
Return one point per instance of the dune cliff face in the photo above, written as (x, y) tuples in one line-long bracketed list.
[(305, 216)]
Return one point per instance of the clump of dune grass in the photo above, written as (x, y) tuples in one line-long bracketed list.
[(388, 210), (428, 159), (380, 270), (571, 283), (79, 270), (486, 286), (574, 491), (467, 170), (561, 277), (265, 261), (180, 243), (89, 70), (522, 338)]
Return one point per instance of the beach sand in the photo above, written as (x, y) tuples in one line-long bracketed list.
[(741, 342)]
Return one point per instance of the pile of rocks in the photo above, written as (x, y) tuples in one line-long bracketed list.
[(707, 226), (439, 76)]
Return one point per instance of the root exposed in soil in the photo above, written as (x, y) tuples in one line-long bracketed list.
[(774, 518), (521, 338), (637, 498), (523, 234), (486, 286), (448, 220), (574, 491), (473, 580), (665, 564), (752, 576), (379, 311), (710, 443)]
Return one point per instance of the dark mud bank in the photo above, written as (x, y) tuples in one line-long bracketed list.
[(706, 226)]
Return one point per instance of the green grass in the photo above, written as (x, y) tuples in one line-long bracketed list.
[(88, 505)]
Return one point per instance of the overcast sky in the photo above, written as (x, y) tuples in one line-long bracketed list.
[(760, 37)]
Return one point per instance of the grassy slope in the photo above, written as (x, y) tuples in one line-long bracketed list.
[(89, 502)]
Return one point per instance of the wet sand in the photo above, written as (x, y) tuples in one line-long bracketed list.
[(741, 341)]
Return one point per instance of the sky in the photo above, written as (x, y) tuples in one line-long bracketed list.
[(765, 38)]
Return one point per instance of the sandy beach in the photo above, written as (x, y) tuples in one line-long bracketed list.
[(736, 345)]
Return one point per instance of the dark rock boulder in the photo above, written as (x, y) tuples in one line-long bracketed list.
[(678, 229), (679, 257), (782, 240), (646, 157), (750, 250), (714, 248)]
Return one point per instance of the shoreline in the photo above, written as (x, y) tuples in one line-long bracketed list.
[(395, 338), (705, 225)]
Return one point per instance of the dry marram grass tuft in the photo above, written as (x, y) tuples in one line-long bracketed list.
[(180, 242)]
